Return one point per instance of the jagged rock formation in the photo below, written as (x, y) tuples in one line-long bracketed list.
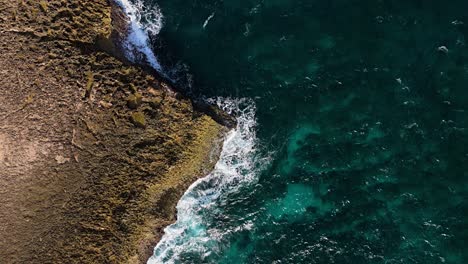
[(94, 152)]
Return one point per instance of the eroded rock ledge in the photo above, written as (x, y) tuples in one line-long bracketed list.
[(94, 152)]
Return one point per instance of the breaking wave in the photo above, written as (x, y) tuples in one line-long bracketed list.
[(235, 169), (144, 21)]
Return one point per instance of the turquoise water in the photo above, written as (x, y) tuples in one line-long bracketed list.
[(358, 151)]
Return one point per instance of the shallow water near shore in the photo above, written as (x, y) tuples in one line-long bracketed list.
[(357, 149)]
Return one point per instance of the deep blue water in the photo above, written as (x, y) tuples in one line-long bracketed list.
[(361, 147)]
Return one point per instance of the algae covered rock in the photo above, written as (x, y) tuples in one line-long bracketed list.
[(44, 6), (134, 100), (155, 102), (138, 119)]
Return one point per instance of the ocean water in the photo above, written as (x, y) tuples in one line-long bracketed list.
[(352, 143)]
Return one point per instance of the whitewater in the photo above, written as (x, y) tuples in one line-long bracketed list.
[(235, 169), (137, 41)]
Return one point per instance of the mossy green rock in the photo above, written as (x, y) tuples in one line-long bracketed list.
[(156, 102), (138, 119), (134, 100)]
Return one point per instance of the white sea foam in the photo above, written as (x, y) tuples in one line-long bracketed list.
[(144, 22), (208, 20), (235, 169)]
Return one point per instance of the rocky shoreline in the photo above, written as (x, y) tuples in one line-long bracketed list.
[(94, 152)]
